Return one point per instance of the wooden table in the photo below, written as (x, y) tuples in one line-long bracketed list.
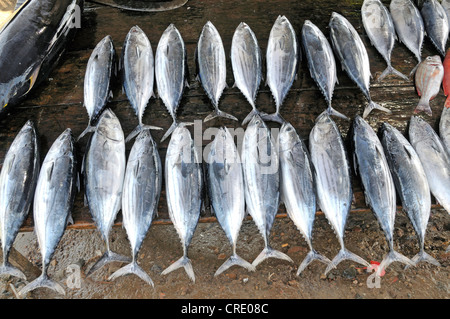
[(58, 103)]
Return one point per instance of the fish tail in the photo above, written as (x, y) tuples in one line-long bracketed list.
[(391, 70), (345, 254), (447, 102), (43, 281), (132, 268), (423, 106), (138, 129), (372, 105), (184, 262), (270, 253), (232, 261), (391, 257), (423, 256), (250, 116), (332, 111), (219, 113), (88, 129), (275, 117), (107, 258), (8, 269), (310, 257)]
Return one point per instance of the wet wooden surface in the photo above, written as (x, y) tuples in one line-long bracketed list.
[(58, 102)]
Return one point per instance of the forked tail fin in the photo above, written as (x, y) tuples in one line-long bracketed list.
[(88, 129), (423, 256), (8, 269), (173, 127), (270, 253), (345, 254), (391, 70), (184, 262), (43, 281), (391, 257), (138, 130), (219, 113), (372, 105), (423, 106), (232, 261), (332, 111), (132, 268), (310, 257), (107, 258), (275, 117)]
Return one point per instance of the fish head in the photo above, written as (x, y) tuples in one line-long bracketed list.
[(64, 145), (288, 137), (434, 60), (109, 126), (416, 126)]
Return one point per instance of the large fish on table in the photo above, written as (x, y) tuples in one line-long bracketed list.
[(31, 43), (352, 54), (53, 202), (18, 179), (104, 170), (282, 60), (333, 181), (409, 27), (184, 185), (428, 80), (379, 189), (100, 71), (436, 24), (260, 164), (138, 72), (226, 190), (140, 198), (411, 183), (380, 28), (298, 189), (171, 72), (321, 62), (211, 68)]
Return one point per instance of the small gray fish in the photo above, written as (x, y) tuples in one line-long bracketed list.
[(333, 181), (298, 191), (411, 184), (435, 159), (352, 53), (282, 58), (380, 29), (246, 62), (212, 68), (140, 198), (100, 71), (321, 62), (262, 182), (226, 189), (444, 128), (104, 170), (372, 166), (436, 24), (18, 178), (409, 27), (53, 202), (184, 184), (171, 72)]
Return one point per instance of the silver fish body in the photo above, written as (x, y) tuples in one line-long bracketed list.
[(246, 62), (171, 72), (260, 164), (321, 62), (435, 159), (379, 189), (53, 202), (183, 183), (444, 128), (18, 178), (411, 183), (333, 181), (380, 29), (436, 24), (352, 54), (297, 188), (140, 197), (211, 67), (282, 59), (446, 5), (104, 170), (226, 190), (428, 80)]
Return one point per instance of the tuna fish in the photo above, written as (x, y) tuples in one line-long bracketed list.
[(371, 164), (436, 24), (428, 78), (409, 27), (411, 183), (333, 181), (140, 198), (446, 78), (211, 68), (262, 182), (321, 62), (282, 58), (298, 191), (184, 183), (380, 29), (18, 178), (226, 190), (435, 159), (104, 170), (352, 53), (171, 72), (100, 72), (53, 202), (444, 128), (247, 65), (138, 72)]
